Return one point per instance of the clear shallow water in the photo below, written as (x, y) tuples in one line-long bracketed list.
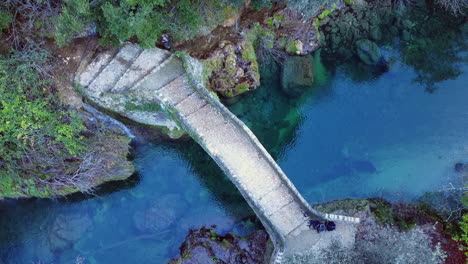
[(349, 137), (105, 227), (365, 136), (383, 137)]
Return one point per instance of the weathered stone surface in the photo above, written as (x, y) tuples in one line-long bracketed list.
[(297, 75), (124, 81), (204, 246)]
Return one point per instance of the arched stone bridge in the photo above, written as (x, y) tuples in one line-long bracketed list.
[(114, 78)]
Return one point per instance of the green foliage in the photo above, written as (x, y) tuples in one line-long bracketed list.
[(383, 213), (5, 19), (121, 20), (292, 47), (124, 21), (143, 106), (464, 236), (76, 16), (386, 214), (270, 22), (213, 234), (259, 4), (325, 13), (241, 88), (31, 123)]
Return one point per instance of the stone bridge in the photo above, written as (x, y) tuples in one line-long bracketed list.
[(116, 79)]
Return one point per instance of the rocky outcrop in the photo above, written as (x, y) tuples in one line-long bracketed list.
[(205, 246), (296, 75), (356, 25), (294, 32), (232, 69), (388, 233)]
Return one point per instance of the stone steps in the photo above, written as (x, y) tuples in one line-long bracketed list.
[(145, 64), (95, 67), (162, 75), (191, 104), (110, 75), (176, 91)]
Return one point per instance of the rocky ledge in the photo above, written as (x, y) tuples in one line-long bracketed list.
[(388, 233), (205, 246)]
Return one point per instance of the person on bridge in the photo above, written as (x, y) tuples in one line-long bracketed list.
[(165, 41), (330, 225), (320, 227)]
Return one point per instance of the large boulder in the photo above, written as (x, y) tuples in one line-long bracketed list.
[(232, 69), (368, 52), (161, 214), (205, 246), (297, 75)]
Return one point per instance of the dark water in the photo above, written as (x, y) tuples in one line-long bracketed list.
[(375, 135)]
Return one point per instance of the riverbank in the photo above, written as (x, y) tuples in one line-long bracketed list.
[(387, 233)]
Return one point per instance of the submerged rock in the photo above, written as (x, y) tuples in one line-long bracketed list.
[(205, 246), (67, 229), (461, 168), (375, 33), (365, 166), (161, 214), (297, 75), (368, 52)]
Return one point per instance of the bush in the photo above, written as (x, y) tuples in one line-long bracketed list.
[(25, 21), (121, 20), (5, 19), (75, 17), (34, 129), (456, 7)]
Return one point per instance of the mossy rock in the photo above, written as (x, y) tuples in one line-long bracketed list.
[(232, 70), (297, 75), (294, 47)]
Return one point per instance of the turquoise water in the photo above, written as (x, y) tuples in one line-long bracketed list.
[(105, 229), (383, 136), (375, 135)]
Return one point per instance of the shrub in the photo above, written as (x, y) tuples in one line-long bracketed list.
[(75, 17), (121, 20), (5, 19), (456, 7), (34, 129)]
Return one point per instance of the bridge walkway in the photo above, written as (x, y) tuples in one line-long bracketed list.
[(154, 74)]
